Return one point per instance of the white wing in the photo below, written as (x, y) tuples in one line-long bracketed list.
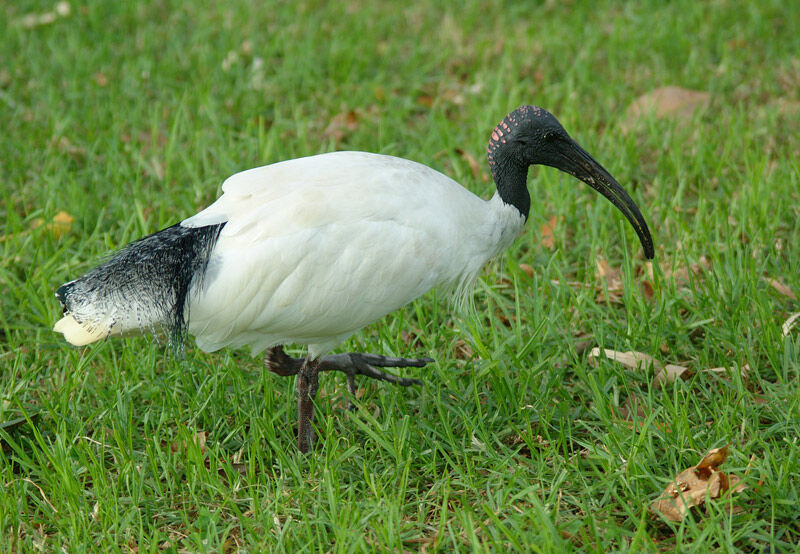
[(316, 248)]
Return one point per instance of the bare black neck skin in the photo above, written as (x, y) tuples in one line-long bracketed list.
[(509, 172)]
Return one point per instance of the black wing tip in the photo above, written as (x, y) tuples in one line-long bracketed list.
[(62, 292)]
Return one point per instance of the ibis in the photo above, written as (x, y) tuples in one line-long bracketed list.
[(310, 250)]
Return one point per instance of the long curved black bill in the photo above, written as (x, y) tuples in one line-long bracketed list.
[(577, 162)]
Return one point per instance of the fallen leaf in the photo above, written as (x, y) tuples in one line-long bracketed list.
[(199, 439), (462, 350), (546, 230), (665, 103), (64, 145), (780, 287), (477, 170), (612, 292), (33, 20), (641, 361), (789, 324), (411, 336), (692, 486), (100, 79), (425, 100), (743, 370), (230, 59), (341, 125), (527, 269), (59, 226), (454, 96), (711, 460), (681, 275), (504, 319), (785, 107)]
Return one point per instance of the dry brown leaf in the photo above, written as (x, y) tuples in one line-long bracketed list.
[(341, 124), (546, 231), (682, 274), (605, 271), (100, 79), (64, 145), (785, 107), (613, 278), (789, 324), (527, 269), (425, 100), (199, 439), (780, 287), (692, 486), (639, 360), (647, 289), (462, 350), (59, 226), (411, 336), (454, 96), (665, 102), (744, 370), (477, 170), (711, 460)]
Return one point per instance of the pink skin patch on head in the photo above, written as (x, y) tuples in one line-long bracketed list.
[(494, 135)]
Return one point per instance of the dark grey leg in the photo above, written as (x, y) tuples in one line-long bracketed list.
[(351, 364), (307, 385)]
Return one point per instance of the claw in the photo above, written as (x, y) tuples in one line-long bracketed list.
[(351, 364)]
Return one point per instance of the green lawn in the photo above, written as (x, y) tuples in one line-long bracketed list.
[(128, 115)]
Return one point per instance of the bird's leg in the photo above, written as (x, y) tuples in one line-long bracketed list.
[(351, 364), (307, 385)]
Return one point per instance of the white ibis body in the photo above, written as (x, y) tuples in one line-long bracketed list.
[(311, 250)]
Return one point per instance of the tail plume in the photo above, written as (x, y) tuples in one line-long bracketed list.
[(145, 286)]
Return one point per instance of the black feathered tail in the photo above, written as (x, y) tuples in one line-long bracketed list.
[(143, 286)]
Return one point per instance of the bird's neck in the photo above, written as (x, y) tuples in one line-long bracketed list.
[(511, 179)]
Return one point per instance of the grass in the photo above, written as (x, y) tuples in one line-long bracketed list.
[(128, 116)]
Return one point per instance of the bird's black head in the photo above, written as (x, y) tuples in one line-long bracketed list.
[(531, 135), (526, 136)]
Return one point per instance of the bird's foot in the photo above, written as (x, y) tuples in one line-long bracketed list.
[(351, 364), (355, 363)]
